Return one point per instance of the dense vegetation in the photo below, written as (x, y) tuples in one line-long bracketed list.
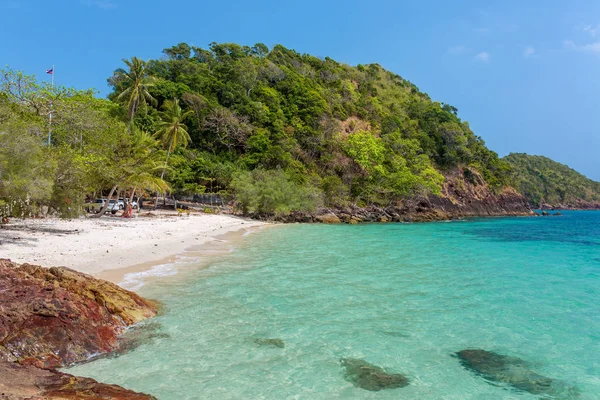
[(543, 180), (343, 134), (86, 150), (280, 130)]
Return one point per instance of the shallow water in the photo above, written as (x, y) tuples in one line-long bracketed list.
[(403, 297)]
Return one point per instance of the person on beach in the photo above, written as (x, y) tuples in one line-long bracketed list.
[(127, 210)]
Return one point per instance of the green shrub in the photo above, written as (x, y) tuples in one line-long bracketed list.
[(272, 192)]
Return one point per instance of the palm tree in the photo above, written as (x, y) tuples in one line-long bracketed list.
[(172, 132), (171, 129), (136, 83), (138, 166)]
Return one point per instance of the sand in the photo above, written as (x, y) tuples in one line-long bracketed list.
[(110, 247)]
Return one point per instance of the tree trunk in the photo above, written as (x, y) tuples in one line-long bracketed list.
[(131, 200), (132, 194), (105, 207), (131, 115), (162, 175)]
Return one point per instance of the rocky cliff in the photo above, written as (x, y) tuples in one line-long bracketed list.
[(52, 317)]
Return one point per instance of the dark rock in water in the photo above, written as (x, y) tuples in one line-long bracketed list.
[(545, 213), (270, 342), (395, 334), (370, 377), (513, 371)]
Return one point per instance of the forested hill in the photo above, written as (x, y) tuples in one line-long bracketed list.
[(277, 132), (347, 135), (547, 183)]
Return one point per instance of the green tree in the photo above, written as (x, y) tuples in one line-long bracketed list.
[(134, 86), (171, 129)]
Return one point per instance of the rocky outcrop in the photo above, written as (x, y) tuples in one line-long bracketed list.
[(52, 317), (464, 194), (571, 205), (21, 382)]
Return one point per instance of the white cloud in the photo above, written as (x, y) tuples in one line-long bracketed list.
[(457, 50), (104, 4), (593, 48), (484, 57), (528, 51), (591, 29)]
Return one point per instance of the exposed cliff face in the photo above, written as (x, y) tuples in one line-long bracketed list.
[(21, 382), (53, 317), (466, 194), (572, 205), (463, 195)]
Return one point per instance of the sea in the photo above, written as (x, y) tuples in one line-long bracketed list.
[(280, 315)]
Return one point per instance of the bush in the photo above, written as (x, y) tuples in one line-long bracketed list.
[(272, 192)]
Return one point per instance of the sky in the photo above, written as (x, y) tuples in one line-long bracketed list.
[(524, 74)]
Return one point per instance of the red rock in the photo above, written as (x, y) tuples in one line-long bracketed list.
[(27, 382), (54, 317)]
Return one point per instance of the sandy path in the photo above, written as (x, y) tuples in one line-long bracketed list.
[(93, 246)]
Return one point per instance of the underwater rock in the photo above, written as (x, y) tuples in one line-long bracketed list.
[(513, 371), (371, 377), (270, 342)]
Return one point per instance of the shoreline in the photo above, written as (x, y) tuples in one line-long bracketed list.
[(198, 257), (111, 248)]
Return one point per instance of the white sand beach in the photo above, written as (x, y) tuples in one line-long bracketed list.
[(98, 246)]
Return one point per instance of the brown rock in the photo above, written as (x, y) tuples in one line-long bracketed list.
[(54, 317), (329, 218), (20, 382)]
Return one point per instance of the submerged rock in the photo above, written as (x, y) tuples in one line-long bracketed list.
[(270, 342), (28, 382), (513, 371), (371, 377)]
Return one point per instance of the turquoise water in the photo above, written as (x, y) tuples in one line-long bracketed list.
[(404, 297)]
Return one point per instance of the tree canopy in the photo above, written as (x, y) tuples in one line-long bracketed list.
[(319, 132), (368, 130)]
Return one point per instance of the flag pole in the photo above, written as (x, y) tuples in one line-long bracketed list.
[(50, 115)]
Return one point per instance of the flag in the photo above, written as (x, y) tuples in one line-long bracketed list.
[(50, 71)]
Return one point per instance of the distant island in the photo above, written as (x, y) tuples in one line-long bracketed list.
[(276, 133), (549, 184)]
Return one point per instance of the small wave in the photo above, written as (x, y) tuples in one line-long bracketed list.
[(135, 280)]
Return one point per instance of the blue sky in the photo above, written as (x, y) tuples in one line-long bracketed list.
[(525, 74)]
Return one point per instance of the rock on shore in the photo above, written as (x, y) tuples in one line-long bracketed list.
[(20, 382), (52, 317), (464, 194)]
